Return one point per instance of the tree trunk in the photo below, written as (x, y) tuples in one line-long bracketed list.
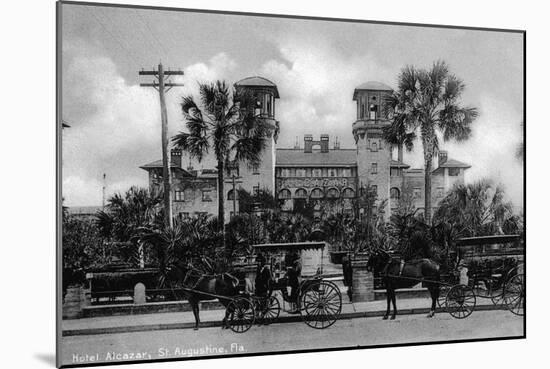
[(221, 212), (428, 189)]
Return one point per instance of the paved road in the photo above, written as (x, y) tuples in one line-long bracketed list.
[(287, 336)]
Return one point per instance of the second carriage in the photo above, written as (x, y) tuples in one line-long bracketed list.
[(488, 267)]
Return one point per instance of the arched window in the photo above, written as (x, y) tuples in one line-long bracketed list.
[(230, 195), (300, 193), (333, 193), (348, 193), (374, 146), (317, 193), (284, 194), (394, 193)]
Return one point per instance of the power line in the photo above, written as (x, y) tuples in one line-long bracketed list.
[(163, 50), (144, 34), (129, 54)]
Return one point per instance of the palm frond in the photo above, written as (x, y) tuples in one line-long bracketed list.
[(248, 149), (453, 88), (455, 122), (188, 104)]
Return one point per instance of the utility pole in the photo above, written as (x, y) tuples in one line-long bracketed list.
[(234, 196), (163, 85), (103, 191)]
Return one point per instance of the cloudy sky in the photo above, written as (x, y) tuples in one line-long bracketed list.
[(115, 124)]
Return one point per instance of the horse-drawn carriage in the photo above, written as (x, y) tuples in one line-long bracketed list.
[(489, 267), (482, 267), (317, 300)]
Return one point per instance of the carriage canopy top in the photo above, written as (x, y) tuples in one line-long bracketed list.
[(489, 240), (290, 246)]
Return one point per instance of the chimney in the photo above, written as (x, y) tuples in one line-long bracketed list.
[(175, 157), (296, 144), (442, 157), (324, 143), (308, 143)]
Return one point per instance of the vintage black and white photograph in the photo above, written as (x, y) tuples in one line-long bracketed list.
[(238, 184)]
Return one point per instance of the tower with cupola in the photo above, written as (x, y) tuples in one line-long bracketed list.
[(373, 152), (253, 178)]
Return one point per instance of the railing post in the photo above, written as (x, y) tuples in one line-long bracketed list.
[(362, 281)]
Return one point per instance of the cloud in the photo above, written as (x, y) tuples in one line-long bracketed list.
[(115, 125), (316, 84), (491, 150)]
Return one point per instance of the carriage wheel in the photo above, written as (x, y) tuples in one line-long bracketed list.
[(498, 297), (514, 294), (240, 315), (271, 310), (460, 301), (321, 304)]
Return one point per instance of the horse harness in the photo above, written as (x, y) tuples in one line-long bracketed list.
[(195, 273), (391, 260)]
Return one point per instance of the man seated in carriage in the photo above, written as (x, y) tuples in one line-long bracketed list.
[(263, 277), (293, 274)]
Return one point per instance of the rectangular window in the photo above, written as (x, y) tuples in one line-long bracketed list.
[(453, 172), (417, 192), (440, 192), (268, 103), (316, 172), (332, 172), (346, 172), (234, 172), (374, 146), (206, 195), (255, 169), (285, 172), (300, 172), (373, 111), (395, 172), (374, 168), (373, 189), (178, 195)]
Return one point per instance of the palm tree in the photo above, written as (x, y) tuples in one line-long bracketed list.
[(125, 215), (225, 124), (476, 209), (428, 102)]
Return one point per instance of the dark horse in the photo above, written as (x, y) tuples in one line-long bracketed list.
[(194, 282), (396, 276)]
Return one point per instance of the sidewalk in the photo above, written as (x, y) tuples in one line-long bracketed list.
[(212, 318)]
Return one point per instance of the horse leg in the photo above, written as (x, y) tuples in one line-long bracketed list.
[(195, 306), (434, 292), (225, 325), (393, 303), (388, 297)]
